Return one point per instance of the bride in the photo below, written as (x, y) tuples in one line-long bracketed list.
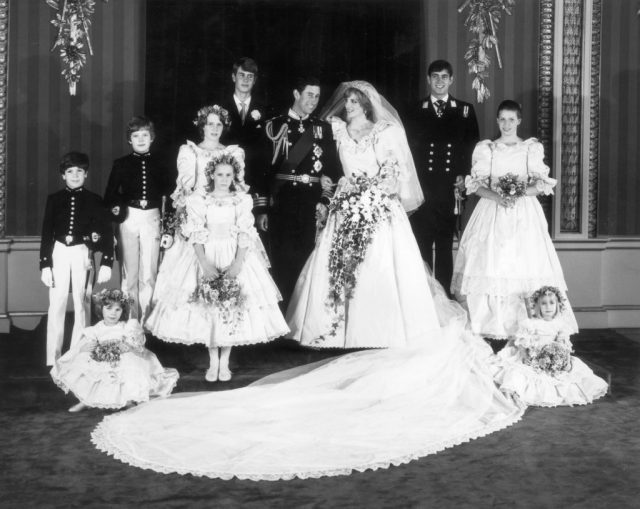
[(365, 284), (365, 410)]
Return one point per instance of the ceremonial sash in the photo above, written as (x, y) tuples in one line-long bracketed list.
[(298, 152)]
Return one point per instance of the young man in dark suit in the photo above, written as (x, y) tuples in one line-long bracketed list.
[(246, 114), (445, 132)]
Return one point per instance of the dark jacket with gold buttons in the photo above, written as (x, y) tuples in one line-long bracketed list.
[(140, 181), (73, 217), (442, 148)]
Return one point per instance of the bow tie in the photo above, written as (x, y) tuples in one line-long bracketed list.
[(146, 154)]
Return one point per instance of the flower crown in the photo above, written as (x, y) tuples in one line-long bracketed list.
[(549, 290), (109, 295), (203, 113), (226, 157)]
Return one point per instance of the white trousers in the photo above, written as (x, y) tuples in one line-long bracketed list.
[(140, 247), (70, 265)]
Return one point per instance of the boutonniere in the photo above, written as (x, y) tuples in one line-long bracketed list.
[(255, 115)]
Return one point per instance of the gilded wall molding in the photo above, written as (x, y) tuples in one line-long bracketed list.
[(4, 64), (570, 206), (545, 88), (594, 117)]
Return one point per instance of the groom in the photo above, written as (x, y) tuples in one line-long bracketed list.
[(445, 133), (297, 184)]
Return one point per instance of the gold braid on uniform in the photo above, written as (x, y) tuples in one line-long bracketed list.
[(280, 141)]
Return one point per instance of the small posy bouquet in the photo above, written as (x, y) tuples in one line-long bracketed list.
[(511, 187), (551, 358), (108, 351), (171, 221), (222, 292)]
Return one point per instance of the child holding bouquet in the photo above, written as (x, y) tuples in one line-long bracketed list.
[(230, 299), (109, 367), (538, 366), (506, 252)]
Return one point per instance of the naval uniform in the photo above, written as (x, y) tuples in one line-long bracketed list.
[(75, 224), (303, 150), (444, 136), (137, 184)]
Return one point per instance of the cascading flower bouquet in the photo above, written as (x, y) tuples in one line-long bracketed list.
[(225, 294), (511, 187), (552, 358), (360, 208)]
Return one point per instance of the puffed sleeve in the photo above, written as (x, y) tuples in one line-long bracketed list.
[(186, 163), (525, 336), (134, 335), (480, 167), (537, 170), (247, 234), (193, 227)]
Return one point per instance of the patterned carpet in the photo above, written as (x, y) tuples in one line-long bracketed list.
[(580, 457)]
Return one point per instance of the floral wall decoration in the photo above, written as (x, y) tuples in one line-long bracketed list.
[(73, 21), (483, 19)]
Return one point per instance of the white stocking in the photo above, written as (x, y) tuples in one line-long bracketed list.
[(213, 357), (225, 352)]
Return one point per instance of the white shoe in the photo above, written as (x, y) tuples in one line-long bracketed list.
[(225, 374), (211, 374)]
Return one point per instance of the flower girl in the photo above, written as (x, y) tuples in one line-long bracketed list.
[(109, 367), (537, 364), (229, 298)]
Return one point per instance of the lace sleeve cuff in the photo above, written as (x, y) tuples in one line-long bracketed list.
[(474, 183), (543, 183)]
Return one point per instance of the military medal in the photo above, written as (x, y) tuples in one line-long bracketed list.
[(68, 239), (300, 127), (143, 204)]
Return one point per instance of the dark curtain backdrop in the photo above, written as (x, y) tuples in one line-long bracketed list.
[(192, 44), (619, 175)]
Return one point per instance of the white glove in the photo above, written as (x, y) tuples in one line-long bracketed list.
[(46, 277), (104, 274), (166, 241)]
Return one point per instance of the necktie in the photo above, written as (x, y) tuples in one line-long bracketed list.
[(243, 112), (440, 107)]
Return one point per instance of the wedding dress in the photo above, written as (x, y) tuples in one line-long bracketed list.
[(364, 410)]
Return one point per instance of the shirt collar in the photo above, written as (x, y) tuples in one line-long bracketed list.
[(238, 102), (295, 116), (76, 190), (433, 99)]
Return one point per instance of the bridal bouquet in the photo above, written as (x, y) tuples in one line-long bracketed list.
[(551, 358), (360, 208), (108, 351), (224, 293), (511, 187)]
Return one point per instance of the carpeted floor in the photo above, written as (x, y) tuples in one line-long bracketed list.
[(582, 457)]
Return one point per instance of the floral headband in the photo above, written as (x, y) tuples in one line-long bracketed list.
[(226, 157), (549, 290), (107, 296), (203, 113)]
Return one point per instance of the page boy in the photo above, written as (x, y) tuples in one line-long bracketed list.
[(75, 223), (136, 185)]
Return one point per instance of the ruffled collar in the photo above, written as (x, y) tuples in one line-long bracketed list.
[(229, 148), (504, 146), (233, 199), (339, 127)]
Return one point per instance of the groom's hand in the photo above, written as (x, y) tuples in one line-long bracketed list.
[(263, 222)]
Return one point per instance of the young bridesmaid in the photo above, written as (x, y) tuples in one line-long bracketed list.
[(230, 299), (537, 365), (109, 367)]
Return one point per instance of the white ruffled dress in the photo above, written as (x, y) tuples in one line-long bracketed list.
[(577, 386), (506, 254), (392, 305), (137, 376), (221, 225)]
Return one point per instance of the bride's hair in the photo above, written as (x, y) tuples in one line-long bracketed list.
[(364, 101)]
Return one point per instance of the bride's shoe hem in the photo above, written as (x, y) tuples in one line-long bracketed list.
[(102, 441)]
